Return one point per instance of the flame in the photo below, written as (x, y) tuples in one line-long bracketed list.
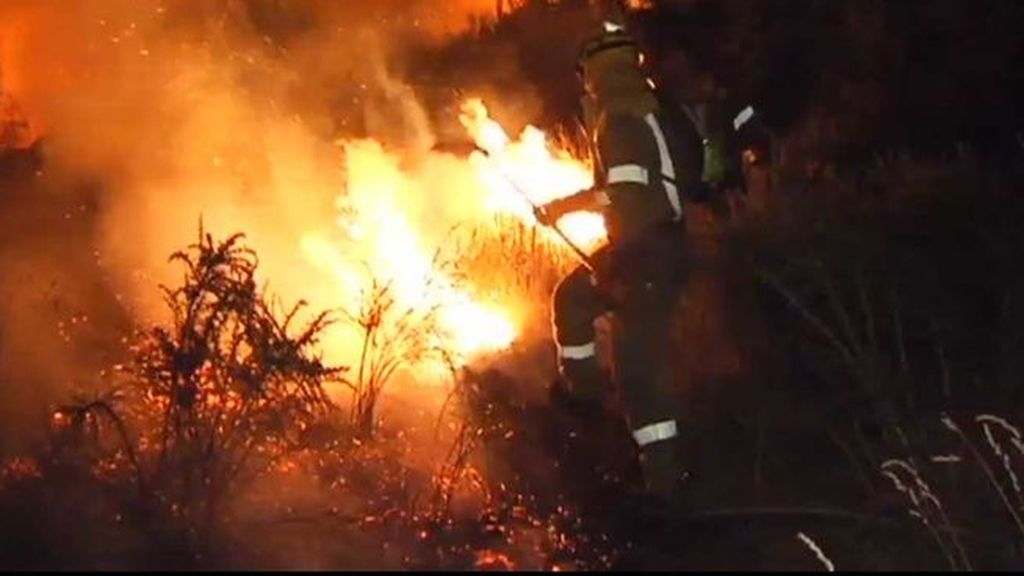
[(227, 154), (399, 254), (386, 214), (395, 252), (521, 174)]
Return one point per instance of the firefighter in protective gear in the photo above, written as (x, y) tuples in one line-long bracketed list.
[(643, 175)]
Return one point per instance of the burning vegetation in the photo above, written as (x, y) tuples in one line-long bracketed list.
[(345, 362)]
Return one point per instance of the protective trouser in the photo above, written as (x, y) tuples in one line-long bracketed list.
[(640, 284)]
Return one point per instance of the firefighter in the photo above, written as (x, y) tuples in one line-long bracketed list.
[(644, 172)]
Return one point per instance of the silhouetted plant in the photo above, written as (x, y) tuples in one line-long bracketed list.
[(211, 401)]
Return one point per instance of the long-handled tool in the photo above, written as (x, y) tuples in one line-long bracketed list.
[(538, 211)]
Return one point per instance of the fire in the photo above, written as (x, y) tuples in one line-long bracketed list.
[(518, 173), (402, 258), (394, 251), (227, 154), (390, 214)]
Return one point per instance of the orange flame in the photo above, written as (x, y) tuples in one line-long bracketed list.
[(386, 214), (529, 167), (394, 251)]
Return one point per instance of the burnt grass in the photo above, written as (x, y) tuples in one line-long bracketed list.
[(849, 354)]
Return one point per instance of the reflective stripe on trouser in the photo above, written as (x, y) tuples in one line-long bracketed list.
[(575, 306), (657, 432)]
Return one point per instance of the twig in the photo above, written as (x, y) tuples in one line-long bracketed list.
[(989, 473), (818, 553)]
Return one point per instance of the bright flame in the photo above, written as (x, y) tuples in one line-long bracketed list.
[(390, 210), (518, 173), (391, 245)]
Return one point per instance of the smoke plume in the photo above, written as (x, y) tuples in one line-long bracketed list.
[(149, 116)]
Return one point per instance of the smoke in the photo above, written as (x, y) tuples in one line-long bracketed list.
[(152, 115), (223, 109)]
